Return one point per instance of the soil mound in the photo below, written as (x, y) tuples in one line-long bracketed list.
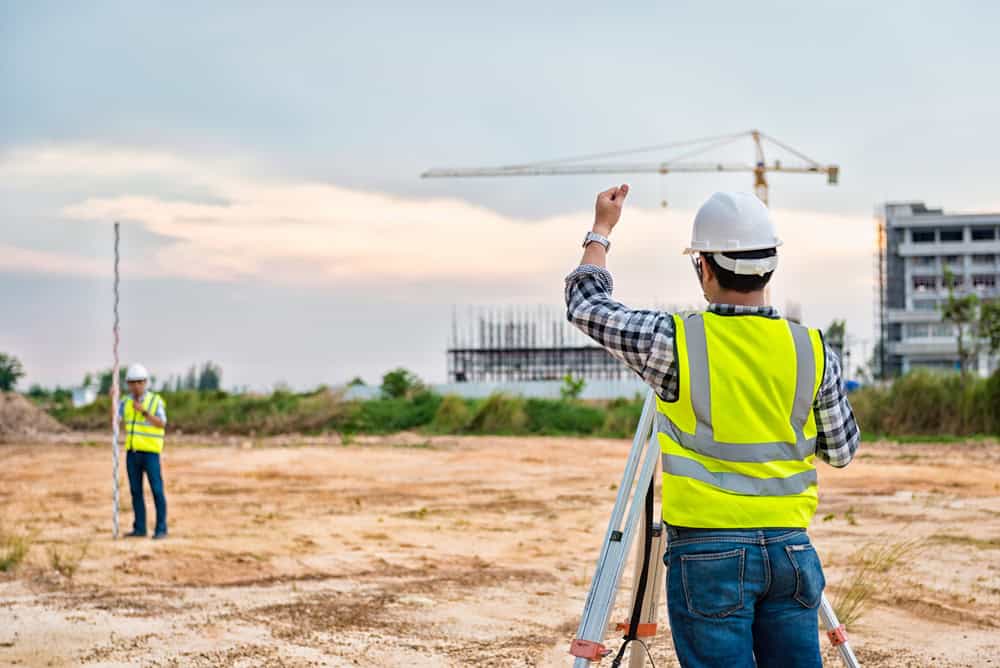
[(20, 418)]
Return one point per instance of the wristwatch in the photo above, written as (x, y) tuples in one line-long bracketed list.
[(594, 237)]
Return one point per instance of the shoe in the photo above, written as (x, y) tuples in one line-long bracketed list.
[(135, 534), (160, 536)]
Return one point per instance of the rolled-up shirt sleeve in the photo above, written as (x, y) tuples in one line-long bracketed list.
[(837, 431), (642, 339)]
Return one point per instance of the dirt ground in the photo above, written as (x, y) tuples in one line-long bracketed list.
[(408, 551)]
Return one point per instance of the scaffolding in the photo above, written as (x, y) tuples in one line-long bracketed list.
[(509, 344), (880, 316)]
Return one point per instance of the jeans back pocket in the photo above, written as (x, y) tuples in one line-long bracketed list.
[(713, 583), (809, 578)]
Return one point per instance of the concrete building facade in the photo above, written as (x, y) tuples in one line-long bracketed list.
[(914, 246)]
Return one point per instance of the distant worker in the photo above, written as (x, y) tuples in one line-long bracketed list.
[(746, 400), (143, 417)]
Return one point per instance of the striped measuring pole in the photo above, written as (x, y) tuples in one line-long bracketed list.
[(115, 422)]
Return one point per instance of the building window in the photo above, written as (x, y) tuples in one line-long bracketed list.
[(984, 280), (924, 261), (924, 283), (917, 330), (951, 234), (925, 304), (957, 281), (984, 233), (943, 330), (984, 258), (922, 236)]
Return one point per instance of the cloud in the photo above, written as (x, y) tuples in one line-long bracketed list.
[(319, 234), (25, 260)]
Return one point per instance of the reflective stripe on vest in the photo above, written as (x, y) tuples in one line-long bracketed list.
[(140, 434), (750, 463)]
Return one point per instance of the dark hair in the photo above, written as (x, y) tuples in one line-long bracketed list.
[(741, 282)]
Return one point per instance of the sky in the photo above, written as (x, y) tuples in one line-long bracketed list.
[(264, 164)]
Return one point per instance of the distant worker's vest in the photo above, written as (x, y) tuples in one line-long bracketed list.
[(140, 434), (738, 446)]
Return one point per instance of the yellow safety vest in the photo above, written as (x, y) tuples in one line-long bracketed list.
[(738, 445), (140, 434)]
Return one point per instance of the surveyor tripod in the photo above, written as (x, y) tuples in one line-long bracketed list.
[(632, 515)]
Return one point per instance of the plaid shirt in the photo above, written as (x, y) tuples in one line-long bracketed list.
[(644, 341)]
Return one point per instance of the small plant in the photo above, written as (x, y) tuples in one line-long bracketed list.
[(572, 387), (13, 549), (871, 562), (849, 516), (67, 563)]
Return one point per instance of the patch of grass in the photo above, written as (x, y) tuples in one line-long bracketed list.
[(67, 563), (452, 415), (849, 516), (960, 539), (941, 407), (500, 414), (14, 548), (418, 514), (562, 417), (870, 572)]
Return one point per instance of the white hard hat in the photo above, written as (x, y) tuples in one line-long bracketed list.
[(137, 372), (732, 222)]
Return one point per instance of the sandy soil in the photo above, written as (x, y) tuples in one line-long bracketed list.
[(406, 551)]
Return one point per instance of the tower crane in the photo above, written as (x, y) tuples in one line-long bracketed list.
[(582, 164)]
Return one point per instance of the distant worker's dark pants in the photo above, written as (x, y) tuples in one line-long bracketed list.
[(138, 462)]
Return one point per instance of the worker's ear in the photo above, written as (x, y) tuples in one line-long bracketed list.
[(706, 269)]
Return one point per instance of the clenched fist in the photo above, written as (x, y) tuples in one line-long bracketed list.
[(608, 209)]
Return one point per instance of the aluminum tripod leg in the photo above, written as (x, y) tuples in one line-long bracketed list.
[(835, 631), (589, 643)]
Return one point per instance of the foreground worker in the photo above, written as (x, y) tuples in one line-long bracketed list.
[(746, 400), (143, 417)]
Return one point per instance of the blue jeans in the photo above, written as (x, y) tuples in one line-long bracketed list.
[(741, 598), (137, 463)]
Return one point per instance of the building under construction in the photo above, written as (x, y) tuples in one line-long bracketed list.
[(917, 249), (513, 344)]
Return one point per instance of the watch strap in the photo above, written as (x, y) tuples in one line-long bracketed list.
[(594, 237)]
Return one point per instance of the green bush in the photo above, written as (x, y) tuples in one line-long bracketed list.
[(926, 403), (200, 412), (621, 417), (562, 417), (382, 416), (452, 415), (500, 414)]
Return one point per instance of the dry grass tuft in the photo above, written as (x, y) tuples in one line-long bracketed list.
[(871, 564), (67, 563), (13, 549)]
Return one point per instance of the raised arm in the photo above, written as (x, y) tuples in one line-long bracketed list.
[(643, 340)]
